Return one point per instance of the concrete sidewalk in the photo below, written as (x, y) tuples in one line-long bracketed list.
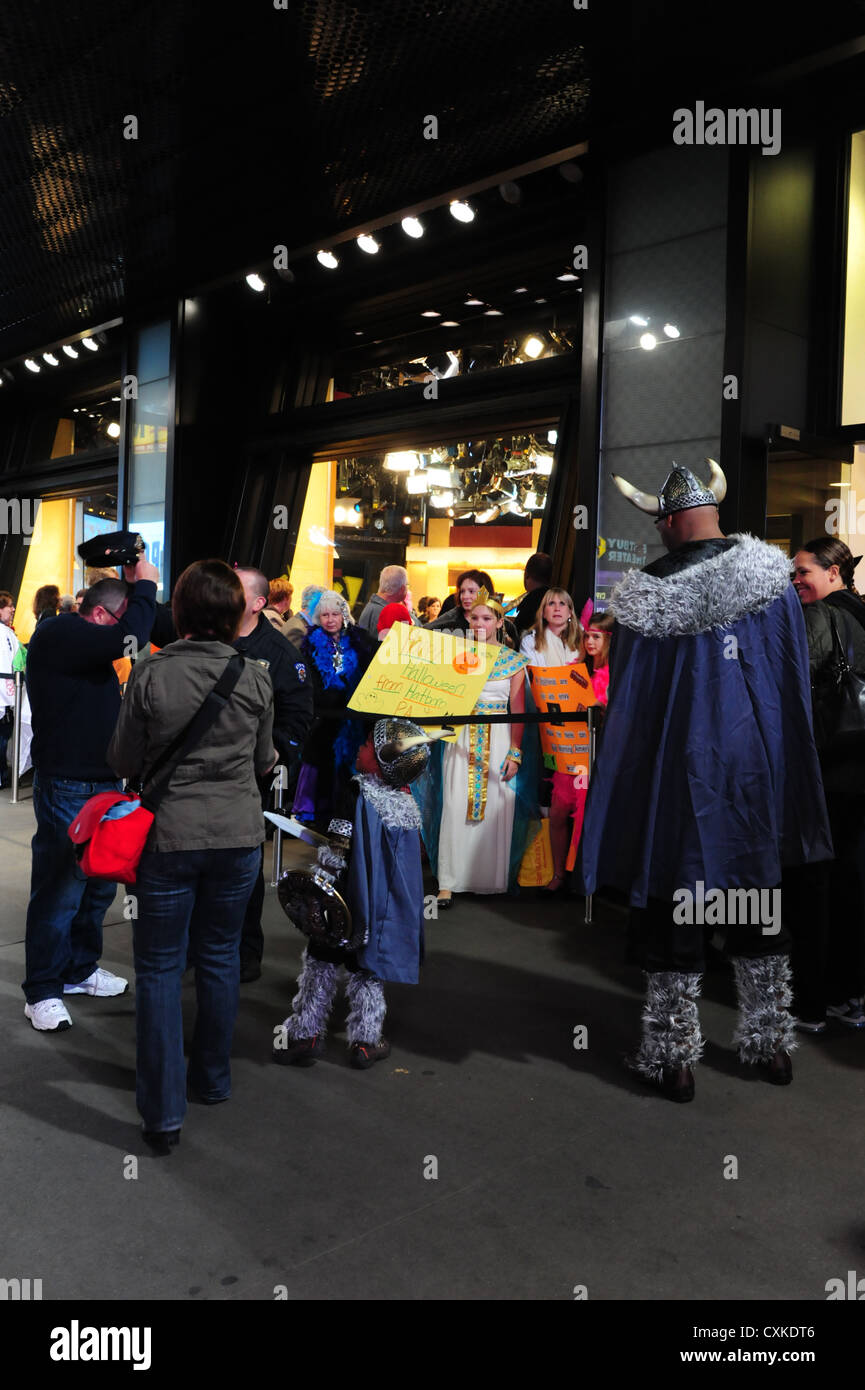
[(553, 1168)]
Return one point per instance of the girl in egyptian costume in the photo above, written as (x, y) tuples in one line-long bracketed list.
[(478, 796)]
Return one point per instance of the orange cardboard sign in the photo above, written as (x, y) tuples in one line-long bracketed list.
[(569, 689)]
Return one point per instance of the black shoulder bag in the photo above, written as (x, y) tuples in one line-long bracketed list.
[(838, 700)]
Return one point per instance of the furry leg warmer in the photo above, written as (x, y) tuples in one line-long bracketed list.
[(671, 1024), (765, 1026), (311, 1006), (367, 1007)]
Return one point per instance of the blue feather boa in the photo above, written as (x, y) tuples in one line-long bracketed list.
[(321, 649)]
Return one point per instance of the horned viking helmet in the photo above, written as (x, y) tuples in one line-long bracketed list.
[(681, 491)]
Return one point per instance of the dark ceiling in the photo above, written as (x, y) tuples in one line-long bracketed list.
[(256, 126), (260, 126)]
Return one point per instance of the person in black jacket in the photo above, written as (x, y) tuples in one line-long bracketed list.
[(75, 699), (538, 578), (292, 718), (828, 900)]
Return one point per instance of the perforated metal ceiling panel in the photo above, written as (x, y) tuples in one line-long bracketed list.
[(255, 126)]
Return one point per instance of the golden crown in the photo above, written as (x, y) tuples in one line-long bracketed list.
[(486, 600)]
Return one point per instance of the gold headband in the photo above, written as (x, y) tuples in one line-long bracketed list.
[(486, 600)]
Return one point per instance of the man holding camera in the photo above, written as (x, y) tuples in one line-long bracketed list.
[(75, 699)]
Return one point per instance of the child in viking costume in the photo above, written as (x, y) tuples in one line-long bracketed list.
[(707, 779), (362, 906), (477, 798)]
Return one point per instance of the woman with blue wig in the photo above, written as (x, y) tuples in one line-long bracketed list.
[(336, 652)]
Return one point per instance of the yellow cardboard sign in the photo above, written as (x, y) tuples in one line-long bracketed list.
[(570, 689), (424, 673)]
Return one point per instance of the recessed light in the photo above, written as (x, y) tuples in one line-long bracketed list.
[(89, 343), (327, 258), (368, 244), (412, 227), (671, 330), (31, 365), (639, 321), (69, 350), (256, 283), (449, 323), (648, 341), (50, 359), (461, 211), (523, 289), (430, 314), (540, 301), (568, 275), (475, 303), (492, 313)]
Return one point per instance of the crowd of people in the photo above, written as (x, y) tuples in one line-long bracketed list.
[(708, 777)]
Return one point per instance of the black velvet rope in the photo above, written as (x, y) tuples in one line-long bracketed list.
[(552, 717)]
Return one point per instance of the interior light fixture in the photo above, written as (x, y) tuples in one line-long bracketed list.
[(533, 347), (31, 365), (339, 513), (406, 521), (461, 211), (450, 511), (532, 501), (552, 436), (69, 350), (490, 514), (521, 289), (492, 313), (327, 258), (671, 330), (92, 344), (115, 398), (567, 275), (368, 244), (412, 227), (430, 314), (639, 320), (438, 477), (51, 359), (442, 499), (256, 283), (540, 301), (416, 484), (648, 341), (839, 484), (114, 430), (401, 462), (511, 193), (474, 303), (449, 323)]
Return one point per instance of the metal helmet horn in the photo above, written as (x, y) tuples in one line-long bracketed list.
[(681, 491)]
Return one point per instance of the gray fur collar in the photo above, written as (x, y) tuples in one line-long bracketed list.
[(740, 581), (395, 808)]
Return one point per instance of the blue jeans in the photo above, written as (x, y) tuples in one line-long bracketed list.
[(66, 910), (188, 900)]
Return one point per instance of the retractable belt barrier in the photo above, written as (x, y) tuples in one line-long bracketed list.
[(17, 677), (554, 717)]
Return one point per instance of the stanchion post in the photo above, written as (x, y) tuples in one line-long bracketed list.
[(278, 785), (16, 736), (590, 716)]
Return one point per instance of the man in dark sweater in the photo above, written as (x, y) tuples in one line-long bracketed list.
[(292, 717), (538, 577), (75, 699)]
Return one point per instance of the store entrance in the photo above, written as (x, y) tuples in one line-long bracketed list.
[(436, 507), (813, 489)]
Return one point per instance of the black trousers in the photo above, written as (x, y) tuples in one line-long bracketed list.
[(827, 917), (656, 942)]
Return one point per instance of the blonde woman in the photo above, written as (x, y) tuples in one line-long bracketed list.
[(556, 639)]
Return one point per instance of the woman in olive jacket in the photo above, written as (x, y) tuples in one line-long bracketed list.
[(827, 902), (202, 855)]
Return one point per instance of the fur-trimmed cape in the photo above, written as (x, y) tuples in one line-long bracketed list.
[(707, 770)]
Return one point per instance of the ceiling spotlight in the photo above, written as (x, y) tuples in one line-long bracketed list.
[(448, 323), (648, 341), (401, 462), (442, 499), (114, 430), (552, 436), (461, 211), (69, 350), (50, 359), (412, 227), (540, 301), (450, 511), (406, 521), (543, 464), (31, 365), (89, 343), (521, 289), (256, 283), (511, 193), (474, 303), (439, 477), (671, 330), (115, 398), (489, 515), (416, 484), (368, 244), (533, 347), (492, 313), (639, 321), (567, 275), (327, 258)]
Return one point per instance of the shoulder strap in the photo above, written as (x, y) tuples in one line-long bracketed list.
[(194, 732)]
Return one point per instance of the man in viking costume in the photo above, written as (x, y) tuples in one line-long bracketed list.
[(362, 906), (707, 779)]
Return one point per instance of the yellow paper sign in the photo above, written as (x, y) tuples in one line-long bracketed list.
[(423, 673), (569, 688)]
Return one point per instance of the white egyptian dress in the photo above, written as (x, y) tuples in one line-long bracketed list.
[(477, 819)]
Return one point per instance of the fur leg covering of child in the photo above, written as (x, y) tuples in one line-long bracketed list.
[(365, 993), (671, 1025), (311, 1006), (765, 1026)]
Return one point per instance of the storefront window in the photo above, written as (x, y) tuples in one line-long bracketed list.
[(149, 416), (61, 524), (853, 391), (438, 510)]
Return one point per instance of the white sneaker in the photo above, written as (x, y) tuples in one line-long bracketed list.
[(49, 1015), (101, 983)]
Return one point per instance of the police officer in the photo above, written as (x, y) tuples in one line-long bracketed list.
[(259, 641)]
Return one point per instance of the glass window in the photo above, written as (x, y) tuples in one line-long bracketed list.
[(853, 388)]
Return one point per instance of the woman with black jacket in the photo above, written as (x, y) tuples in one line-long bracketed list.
[(829, 935)]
